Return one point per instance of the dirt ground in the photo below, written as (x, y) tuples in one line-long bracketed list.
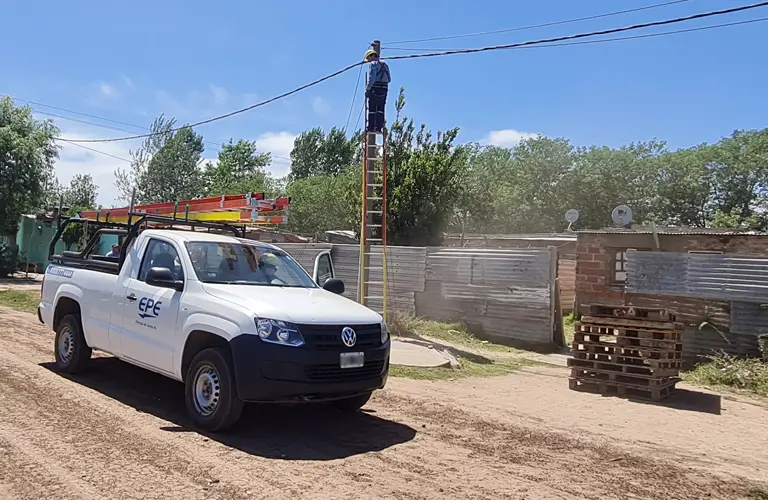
[(121, 432)]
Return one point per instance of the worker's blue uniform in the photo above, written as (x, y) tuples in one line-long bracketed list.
[(376, 92)]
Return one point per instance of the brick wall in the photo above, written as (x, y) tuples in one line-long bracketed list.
[(594, 271)]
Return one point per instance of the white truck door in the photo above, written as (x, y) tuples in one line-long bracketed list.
[(151, 312), (323, 269)]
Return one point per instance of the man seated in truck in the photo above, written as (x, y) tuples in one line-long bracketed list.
[(115, 252)]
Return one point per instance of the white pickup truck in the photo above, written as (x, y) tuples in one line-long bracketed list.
[(235, 320)]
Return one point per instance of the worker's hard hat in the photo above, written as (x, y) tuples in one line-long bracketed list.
[(269, 259), (369, 53)]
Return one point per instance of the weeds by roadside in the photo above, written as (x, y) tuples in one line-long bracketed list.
[(453, 333), (758, 494), (468, 369), (21, 300), (725, 371)]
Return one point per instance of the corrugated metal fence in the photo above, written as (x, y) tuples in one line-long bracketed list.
[(727, 294), (703, 276), (504, 294)]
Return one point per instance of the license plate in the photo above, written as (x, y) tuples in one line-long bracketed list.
[(352, 359)]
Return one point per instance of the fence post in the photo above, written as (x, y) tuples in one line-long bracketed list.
[(554, 307)]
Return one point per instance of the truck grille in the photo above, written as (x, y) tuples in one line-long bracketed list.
[(334, 373), (328, 337)]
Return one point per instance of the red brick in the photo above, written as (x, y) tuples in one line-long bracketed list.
[(596, 265)]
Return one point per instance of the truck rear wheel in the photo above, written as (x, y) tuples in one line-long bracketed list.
[(72, 352), (211, 391), (351, 404)]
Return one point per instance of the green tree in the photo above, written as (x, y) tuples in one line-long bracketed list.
[(424, 180), (324, 202), (166, 167), (315, 153), (81, 193), (739, 171), (240, 169), (27, 155)]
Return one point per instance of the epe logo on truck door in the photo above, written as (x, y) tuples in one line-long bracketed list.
[(148, 308)]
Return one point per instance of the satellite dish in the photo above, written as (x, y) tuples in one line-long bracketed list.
[(622, 215), (571, 216)]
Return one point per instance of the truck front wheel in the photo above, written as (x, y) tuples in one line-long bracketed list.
[(211, 392), (72, 353)]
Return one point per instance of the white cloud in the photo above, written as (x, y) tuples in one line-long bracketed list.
[(280, 145), (220, 95), (76, 159), (321, 106), (107, 90), (127, 82), (506, 138)]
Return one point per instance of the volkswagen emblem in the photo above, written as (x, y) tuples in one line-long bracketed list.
[(348, 336)]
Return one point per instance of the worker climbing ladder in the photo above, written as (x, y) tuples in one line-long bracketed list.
[(372, 277)]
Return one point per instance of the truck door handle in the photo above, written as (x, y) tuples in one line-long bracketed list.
[(131, 297)]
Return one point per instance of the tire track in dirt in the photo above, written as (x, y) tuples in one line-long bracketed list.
[(363, 474), (129, 426)]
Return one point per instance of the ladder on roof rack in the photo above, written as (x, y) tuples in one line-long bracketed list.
[(242, 209), (372, 275)]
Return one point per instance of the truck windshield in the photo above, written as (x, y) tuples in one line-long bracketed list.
[(243, 264)]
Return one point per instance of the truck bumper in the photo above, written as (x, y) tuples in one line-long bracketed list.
[(274, 373)]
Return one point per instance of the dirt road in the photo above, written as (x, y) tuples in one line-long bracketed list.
[(120, 432)]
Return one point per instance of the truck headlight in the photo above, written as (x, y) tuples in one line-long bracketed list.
[(279, 332), (384, 332)]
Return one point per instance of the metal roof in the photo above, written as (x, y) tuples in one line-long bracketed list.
[(684, 231)]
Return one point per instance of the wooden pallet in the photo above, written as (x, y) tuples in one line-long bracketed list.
[(627, 342), (633, 380), (631, 323), (643, 333), (631, 359), (646, 313), (612, 348), (626, 369), (656, 393)]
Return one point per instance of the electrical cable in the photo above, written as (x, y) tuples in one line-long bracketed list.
[(94, 150), (354, 98), (618, 39), (281, 160), (544, 25), (445, 53), (582, 35), (238, 111)]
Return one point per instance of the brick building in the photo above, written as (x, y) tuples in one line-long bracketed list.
[(601, 277)]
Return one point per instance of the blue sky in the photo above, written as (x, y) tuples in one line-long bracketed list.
[(192, 60)]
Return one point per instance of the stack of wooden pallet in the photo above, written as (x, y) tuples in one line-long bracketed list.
[(627, 350)]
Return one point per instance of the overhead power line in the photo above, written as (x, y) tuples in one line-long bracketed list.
[(94, 150), (454, 52), (584, 35), (238, 111), (618, 39), (214, 145), (534, 26), (354, 98)]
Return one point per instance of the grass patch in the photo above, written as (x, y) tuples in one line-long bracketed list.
[(454, 333), (725, 371), (468, 369), (25, 300), (568, 322), (758, 494)]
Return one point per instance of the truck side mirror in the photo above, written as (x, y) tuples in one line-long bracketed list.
[(334, 285), (163, 277)]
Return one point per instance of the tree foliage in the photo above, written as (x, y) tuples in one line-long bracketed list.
[(27, 155), (315, 153), (240, 169), (81, 193), (166, 167)]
